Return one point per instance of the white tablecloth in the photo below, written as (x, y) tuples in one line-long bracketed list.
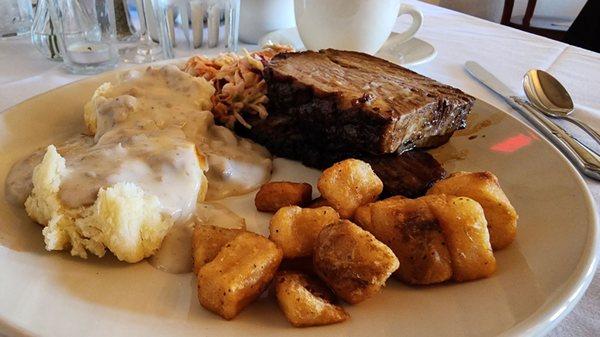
[(457, 37)]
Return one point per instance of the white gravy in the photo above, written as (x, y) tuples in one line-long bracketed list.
[(162, 163), (236, 166), (18, 184), (153, 128)]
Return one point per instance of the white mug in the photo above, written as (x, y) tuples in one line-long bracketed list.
[(259, 17), (359, 25)]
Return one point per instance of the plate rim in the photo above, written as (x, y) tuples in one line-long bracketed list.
[(539, 323)]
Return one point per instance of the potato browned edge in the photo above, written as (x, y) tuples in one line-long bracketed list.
[(295, 229), (306, 301), (352, 262), (238, 275), (484, 188), (349, 184), (363, 213), (207, 241), (413, 233), (274, 195), (319, 202), (300, 264)]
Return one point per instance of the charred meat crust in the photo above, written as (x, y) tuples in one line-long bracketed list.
[(409, 174), (356, 102)]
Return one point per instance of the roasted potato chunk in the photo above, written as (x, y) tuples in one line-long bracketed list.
[(238, 274), (295, 229), (484, 188), (274, 195), (319, 202), (208, 240), (305, 301), (412, 231), (362, 215), (464, 226), (349, 184), (353, 263)]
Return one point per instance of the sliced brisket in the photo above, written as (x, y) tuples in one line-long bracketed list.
[(351, 101)]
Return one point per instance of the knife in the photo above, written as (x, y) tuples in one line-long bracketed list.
[(584, 159)]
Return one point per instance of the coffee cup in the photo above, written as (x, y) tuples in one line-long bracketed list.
[(358, 25), (259, 17)]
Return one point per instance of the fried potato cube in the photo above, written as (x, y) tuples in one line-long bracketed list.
[(238, 274), (207, 241), (295, 229), (484, 188), (305, 301), (274, 195), (353, 263), (412, 231), (349, 184), (464, 226), (319, 202), (362, 215)]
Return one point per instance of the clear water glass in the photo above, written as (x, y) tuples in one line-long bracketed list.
[(16, 17), (86, 34), (187, 26), (43, 34), (145, 49)]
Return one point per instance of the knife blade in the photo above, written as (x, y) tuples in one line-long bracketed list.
[(584, 159), (487, 78)]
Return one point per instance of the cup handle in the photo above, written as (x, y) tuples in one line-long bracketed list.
[(417, 22)]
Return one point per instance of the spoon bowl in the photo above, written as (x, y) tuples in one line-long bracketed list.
[(546, 93), (552, 99)]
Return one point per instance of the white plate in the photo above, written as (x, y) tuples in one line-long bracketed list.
[(540, 276), (410, 53)]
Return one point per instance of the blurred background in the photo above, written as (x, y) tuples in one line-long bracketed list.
[(573, 21), (563, 12)]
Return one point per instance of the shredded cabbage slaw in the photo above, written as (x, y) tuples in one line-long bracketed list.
[(239, 83)]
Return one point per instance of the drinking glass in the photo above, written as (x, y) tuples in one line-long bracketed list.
[(125, 29), (145, 49), (86, 34), (188, 25), (43, 34), (16, 17)]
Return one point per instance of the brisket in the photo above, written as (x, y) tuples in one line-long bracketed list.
[(349, 101), (332, 105)]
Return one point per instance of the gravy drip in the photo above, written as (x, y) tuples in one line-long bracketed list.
[(236, 166), (175, 254)]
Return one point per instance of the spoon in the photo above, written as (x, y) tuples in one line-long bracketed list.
[(552, 99)]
